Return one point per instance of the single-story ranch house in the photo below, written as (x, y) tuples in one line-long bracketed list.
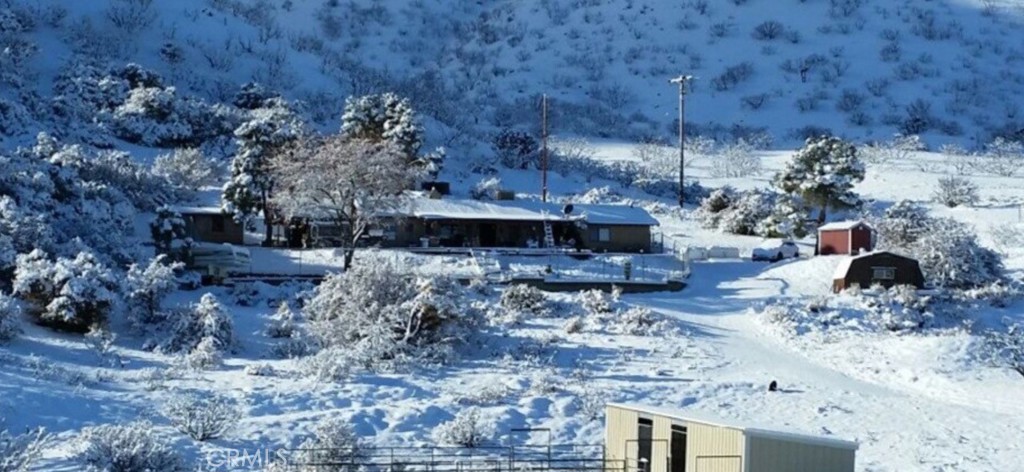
[(211, 224), (455, 222)]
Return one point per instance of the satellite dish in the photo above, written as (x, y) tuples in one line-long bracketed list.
[(567, 209)]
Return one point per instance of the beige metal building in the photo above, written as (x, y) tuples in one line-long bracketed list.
[(658, 440)]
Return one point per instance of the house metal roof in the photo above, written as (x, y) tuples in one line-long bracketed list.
[(523, 210), (841, 225), (844, 265), (771, 433)]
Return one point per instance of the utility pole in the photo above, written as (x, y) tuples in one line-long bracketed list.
[(682, 80), (544, 148)]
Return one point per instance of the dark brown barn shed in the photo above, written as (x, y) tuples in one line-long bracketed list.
[(845, 237), (877, 268)]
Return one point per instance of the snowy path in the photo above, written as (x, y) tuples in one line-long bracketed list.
[(901, 425)]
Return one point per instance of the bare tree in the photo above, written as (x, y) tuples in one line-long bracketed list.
[(350, 182)]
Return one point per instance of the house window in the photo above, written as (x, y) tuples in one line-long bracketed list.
[(217, 224), (883, 273), (603, 235), (644, 436)]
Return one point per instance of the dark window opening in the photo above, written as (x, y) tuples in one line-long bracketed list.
[(217, 224), (678, 458), (644, 436)]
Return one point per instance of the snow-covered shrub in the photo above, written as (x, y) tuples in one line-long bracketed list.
[(332, 442), (486, 189), (67, 294), (101, 341), (1007, 237), (747, 212), (488, 394), (590, 403), (524, 298), (954, 191), (901, 224), (951, 256), (121, 173), (131, 447), (19, 452), (732, 76), (898, 150), (467, 429), (10, 318), (788, 219), (146, 287), (597, 303), (150, 116), (899, 309), (735, 160), (380, 318), (515, 149), (202, 416), (714, 204), (250, 293), (259, 370), (206, 321), (131, 16), (1006, 348), (204, 356), (574, 325), (383, 117), (283, 323), (186, 168), (1002, 157), (639, 321)]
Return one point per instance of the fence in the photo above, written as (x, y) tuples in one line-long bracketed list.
[(554, 458)]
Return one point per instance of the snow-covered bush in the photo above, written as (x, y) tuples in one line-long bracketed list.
[(1002, 157), (10, 318), (259, 370), (332, 442), (639, 321), (67, 294), (574, 325), (18, 453), (901, 224), (747, 212), (467, 429), (206, 321), (383, 117), (590, 403), (515, 149), (524, 298), (204, 356), (899, 308), (131, 447), (597, 303), (1007, 237), (101, 341), (898, 150), (954, 191), (735, 160), (788, 219), (711, 209), (380, 318), (202, 416), (951, 256), (146, 287), (283, 322), (486, 189), (187, 168), (1006, 348)]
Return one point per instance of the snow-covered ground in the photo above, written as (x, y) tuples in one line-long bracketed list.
[(914, 402)]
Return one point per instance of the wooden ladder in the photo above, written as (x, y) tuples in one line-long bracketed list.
[(549, 235)]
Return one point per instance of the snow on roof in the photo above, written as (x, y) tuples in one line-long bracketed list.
[(523, 210), (198, 210), (771, 433), (841, 225), (844, 265)]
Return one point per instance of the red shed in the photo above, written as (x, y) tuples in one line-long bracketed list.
[(845, 237)]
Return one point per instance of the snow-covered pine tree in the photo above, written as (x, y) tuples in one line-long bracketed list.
[(186, 168), (166, 227), (383, 117), (788, 218), (823, 173), (147, 287), (269, 131)]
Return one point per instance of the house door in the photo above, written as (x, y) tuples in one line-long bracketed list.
[(678, 452), (488, 235)]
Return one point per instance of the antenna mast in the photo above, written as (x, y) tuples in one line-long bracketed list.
[(544, 149)]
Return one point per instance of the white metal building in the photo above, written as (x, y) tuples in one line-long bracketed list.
[(660, 440)]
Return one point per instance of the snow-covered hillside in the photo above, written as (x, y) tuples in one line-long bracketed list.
[(865, 69)]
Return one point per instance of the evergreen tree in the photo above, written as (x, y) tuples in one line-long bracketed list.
[(823, 174), (269, 131), (383, 117)]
